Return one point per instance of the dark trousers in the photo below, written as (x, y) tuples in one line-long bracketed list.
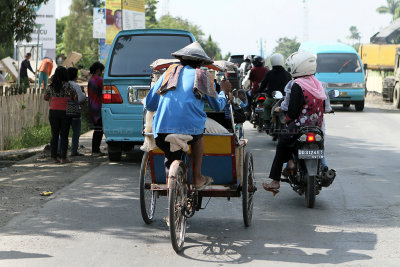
[(76, 133), (97, 136), (171, 156), (284, 152), (59, 123)]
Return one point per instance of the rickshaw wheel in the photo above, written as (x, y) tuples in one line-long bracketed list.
[(248, 189), (177, 203), (147, 196)]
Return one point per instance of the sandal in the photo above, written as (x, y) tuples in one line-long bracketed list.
[(209, 181), (64, 161), (268, 187), (56, 160)]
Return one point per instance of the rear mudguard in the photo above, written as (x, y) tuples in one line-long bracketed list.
[(312, 166)]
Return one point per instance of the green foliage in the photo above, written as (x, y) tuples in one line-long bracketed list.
[(354, 35), (151, 11), (286, 46), (6, 50), (226, 57), (212, 49), (17, 19), (392, 7), (32, 136), (78, 33)]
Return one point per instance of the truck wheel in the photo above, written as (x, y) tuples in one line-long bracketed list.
[(396, 96), (114, 156), (359, 106)]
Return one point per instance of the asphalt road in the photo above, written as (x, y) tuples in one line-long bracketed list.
[(96, 220)]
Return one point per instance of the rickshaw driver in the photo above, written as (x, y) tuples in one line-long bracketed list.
[(178, 99)]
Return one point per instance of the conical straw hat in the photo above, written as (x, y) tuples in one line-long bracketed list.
[(194, 51)]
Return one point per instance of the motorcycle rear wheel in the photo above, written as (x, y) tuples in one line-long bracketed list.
[(309, 195)]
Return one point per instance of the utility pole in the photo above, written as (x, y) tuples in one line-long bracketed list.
[(261, 45), (305, 22), (165, 7), (38, 26)]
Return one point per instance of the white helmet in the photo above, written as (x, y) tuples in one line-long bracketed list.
[(301, 63), (276, 60)]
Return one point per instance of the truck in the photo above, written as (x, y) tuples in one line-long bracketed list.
[(391, 84)]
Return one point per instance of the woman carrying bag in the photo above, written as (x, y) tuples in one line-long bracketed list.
[(59, 93)]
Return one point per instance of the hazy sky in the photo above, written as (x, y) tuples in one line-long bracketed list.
[(237, 25)]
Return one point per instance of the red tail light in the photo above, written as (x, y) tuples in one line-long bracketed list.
[(261, 98), (310, 137), (111, 95)]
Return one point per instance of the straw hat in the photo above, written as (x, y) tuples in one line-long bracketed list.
[(194, 51)]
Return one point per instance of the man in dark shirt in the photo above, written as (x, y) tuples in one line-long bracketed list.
[(274, 80), (23, 71)]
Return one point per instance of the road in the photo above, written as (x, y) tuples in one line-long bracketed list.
[(96, 220)]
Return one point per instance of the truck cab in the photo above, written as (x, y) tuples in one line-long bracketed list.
[(340, 66), (127, 80)]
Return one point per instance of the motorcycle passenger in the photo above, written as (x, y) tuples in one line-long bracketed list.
[(245, 66), (274, 80), (256, 76), (178, 98), (305, 108)]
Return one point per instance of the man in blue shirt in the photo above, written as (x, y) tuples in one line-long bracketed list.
[(180, 110)]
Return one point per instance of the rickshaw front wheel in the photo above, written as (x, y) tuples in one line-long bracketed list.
[(147, 196), (248, 189)]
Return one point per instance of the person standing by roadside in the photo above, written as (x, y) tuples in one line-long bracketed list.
[(59, 92), (76, 122), (44, 71), (23, 71), (95, 93)]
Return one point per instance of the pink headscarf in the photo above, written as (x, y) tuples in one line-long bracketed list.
[(312, 85)]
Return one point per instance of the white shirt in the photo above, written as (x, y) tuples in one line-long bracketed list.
[(81, 95)]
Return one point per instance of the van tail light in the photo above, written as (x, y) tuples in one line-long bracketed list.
[(111, 95)]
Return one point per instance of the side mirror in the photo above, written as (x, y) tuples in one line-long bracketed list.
[(277, 95), (333, 93)]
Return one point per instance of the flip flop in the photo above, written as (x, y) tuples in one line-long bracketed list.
[(270, 189), (209, 181)]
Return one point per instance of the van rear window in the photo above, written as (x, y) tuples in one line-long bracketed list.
[(338, 62), (132, 54)]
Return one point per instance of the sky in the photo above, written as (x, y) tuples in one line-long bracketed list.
[(239, 25)]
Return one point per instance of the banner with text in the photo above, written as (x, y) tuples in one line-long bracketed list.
[(133, 14), (99, 23), (45, 17), (113, 19)]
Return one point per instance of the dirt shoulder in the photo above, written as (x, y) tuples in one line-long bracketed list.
[(22, 183)]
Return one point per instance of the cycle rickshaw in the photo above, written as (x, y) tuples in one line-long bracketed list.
[(224, 159)]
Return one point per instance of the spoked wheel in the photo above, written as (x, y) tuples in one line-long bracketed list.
[(147, 196), (310, 191), (177, 200), (248, 189)]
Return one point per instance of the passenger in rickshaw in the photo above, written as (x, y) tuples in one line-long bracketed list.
[(178, 99)]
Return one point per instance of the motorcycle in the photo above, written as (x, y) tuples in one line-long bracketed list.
[(257, 111), (309, 177), (277, 117)]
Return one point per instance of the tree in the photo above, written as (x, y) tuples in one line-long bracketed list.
[(354, 34), (390, 8), (150, 11), (79, 31), (17, 19), (286, 46), (212, 49), (60, 29)]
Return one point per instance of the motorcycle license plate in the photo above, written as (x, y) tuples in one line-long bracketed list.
[(311, 153), (259, 109)]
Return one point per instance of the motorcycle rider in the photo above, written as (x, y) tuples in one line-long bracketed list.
[(245, 66), (256, 75), (305, 108), (274, 80)]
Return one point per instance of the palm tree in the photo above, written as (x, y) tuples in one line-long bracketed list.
[(390, 8)]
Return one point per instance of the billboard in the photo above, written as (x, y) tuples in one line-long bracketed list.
[(113, 19), (99, 23), (133, 14), (45, 17)]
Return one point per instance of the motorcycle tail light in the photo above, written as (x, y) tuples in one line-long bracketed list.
[(310, 137), (261, 98)]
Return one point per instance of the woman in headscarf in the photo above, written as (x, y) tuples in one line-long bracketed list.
[(178, 98)]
